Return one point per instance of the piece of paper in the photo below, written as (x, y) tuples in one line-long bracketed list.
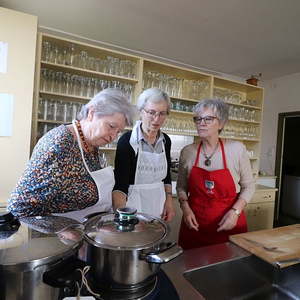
[(6, 114), (3, 57)]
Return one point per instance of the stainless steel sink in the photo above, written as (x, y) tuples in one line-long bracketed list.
[(246, 278)]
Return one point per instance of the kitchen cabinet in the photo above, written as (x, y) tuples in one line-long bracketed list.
[(260, 210), (69, 73)]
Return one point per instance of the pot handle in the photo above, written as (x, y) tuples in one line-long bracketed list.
[(164, 256)]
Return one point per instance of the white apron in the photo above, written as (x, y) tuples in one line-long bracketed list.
[(147, 194), (104, 180)]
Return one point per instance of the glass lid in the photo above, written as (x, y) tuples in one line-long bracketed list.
[(125, 231), (28, 242)]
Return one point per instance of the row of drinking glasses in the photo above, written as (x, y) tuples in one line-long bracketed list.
[(182, 106), (242, 114), (72, 56), (57, 110), (184, 126), (176, 87), (229, 96), (238, 131), (234, 97), (70, 84)]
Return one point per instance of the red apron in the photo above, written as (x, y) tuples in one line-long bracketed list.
[(211, 195)]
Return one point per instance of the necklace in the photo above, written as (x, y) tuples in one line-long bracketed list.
[(207, 161), (85, 145)]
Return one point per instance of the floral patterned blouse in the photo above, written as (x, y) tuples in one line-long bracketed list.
[(55, 179)]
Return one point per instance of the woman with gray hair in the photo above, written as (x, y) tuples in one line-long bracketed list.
[(142, 162), (65, 175), (215, 181)]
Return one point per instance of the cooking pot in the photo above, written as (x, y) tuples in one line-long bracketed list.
[(30, 250), (126, 249)]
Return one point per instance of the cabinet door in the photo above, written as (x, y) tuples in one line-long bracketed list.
[(260, 215), (263, 196)]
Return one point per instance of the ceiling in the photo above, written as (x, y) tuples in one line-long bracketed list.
[(234, 37)]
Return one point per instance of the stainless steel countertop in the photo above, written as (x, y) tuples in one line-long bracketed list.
[(197, 258)]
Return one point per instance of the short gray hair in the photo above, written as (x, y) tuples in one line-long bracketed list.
[(219, 107), (108, 102), (153, 95)]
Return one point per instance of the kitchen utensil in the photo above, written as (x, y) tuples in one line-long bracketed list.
[(127, 248), (31, 251)]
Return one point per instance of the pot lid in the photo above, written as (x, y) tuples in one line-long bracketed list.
[(29, 242), (111, 231)]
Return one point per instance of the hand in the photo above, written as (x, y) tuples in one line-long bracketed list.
[(228, 221), (168, 212), (189, 217)]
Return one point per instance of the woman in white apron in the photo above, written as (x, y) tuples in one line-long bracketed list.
[(142, 163), (65, 175)]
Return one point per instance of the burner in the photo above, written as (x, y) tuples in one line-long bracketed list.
[(130, 292), (159, 287)]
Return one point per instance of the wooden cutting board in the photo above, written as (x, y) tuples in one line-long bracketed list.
[(279, 246)]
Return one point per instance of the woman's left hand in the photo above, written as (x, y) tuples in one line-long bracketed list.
[(168, 211), (228, 221)]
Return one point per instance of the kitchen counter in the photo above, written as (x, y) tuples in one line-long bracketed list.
[(196, 258), (264, 188)]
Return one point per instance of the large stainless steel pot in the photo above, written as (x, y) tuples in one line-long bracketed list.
[(127, 249), (31, 248)]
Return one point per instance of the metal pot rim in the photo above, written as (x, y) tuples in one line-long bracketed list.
[(140, 245)]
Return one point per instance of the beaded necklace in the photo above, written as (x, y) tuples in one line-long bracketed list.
[(85, 145)]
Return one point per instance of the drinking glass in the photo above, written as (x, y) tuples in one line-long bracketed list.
[(51, 110)]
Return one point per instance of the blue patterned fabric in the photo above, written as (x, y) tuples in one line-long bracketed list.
[(55, 179)]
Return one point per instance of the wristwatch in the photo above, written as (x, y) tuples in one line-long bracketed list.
[(236, 211)]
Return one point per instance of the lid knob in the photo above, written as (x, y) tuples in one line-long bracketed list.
[(126, 219)]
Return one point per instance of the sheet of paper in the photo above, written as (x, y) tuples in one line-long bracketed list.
[(3, 57), (6, 114)]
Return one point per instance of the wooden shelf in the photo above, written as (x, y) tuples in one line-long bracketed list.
[(181, 112), (244, 105), (52, 121), (241, 93), (65, 96), (244, 121)]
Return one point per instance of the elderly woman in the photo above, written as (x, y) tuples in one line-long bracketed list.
[(65, 175), (142, 162), (214, 182)]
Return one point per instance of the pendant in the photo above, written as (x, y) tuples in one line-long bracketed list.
[(207, 162)]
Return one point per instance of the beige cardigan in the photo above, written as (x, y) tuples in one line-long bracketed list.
[(238, 164)]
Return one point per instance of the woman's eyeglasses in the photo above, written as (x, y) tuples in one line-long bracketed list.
[(153, 113), (207, 120)]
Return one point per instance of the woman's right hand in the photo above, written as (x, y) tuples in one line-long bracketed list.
[(189, 217)]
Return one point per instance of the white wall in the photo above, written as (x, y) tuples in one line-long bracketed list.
[(19, 30), (281, 95)]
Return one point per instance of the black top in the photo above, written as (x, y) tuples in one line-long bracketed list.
[(125, 162)]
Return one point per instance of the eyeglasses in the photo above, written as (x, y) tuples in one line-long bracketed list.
[(207, 120), (153, 113)]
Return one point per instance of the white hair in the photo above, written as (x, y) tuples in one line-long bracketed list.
[(153, 95), (108, 102)]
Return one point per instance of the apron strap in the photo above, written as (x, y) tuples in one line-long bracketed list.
[(222, 150), (197, 157), (223, 154)]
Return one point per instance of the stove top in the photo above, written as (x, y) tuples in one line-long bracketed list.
[(159, 288)]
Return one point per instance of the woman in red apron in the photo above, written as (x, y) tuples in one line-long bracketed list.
[(212, 208)]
